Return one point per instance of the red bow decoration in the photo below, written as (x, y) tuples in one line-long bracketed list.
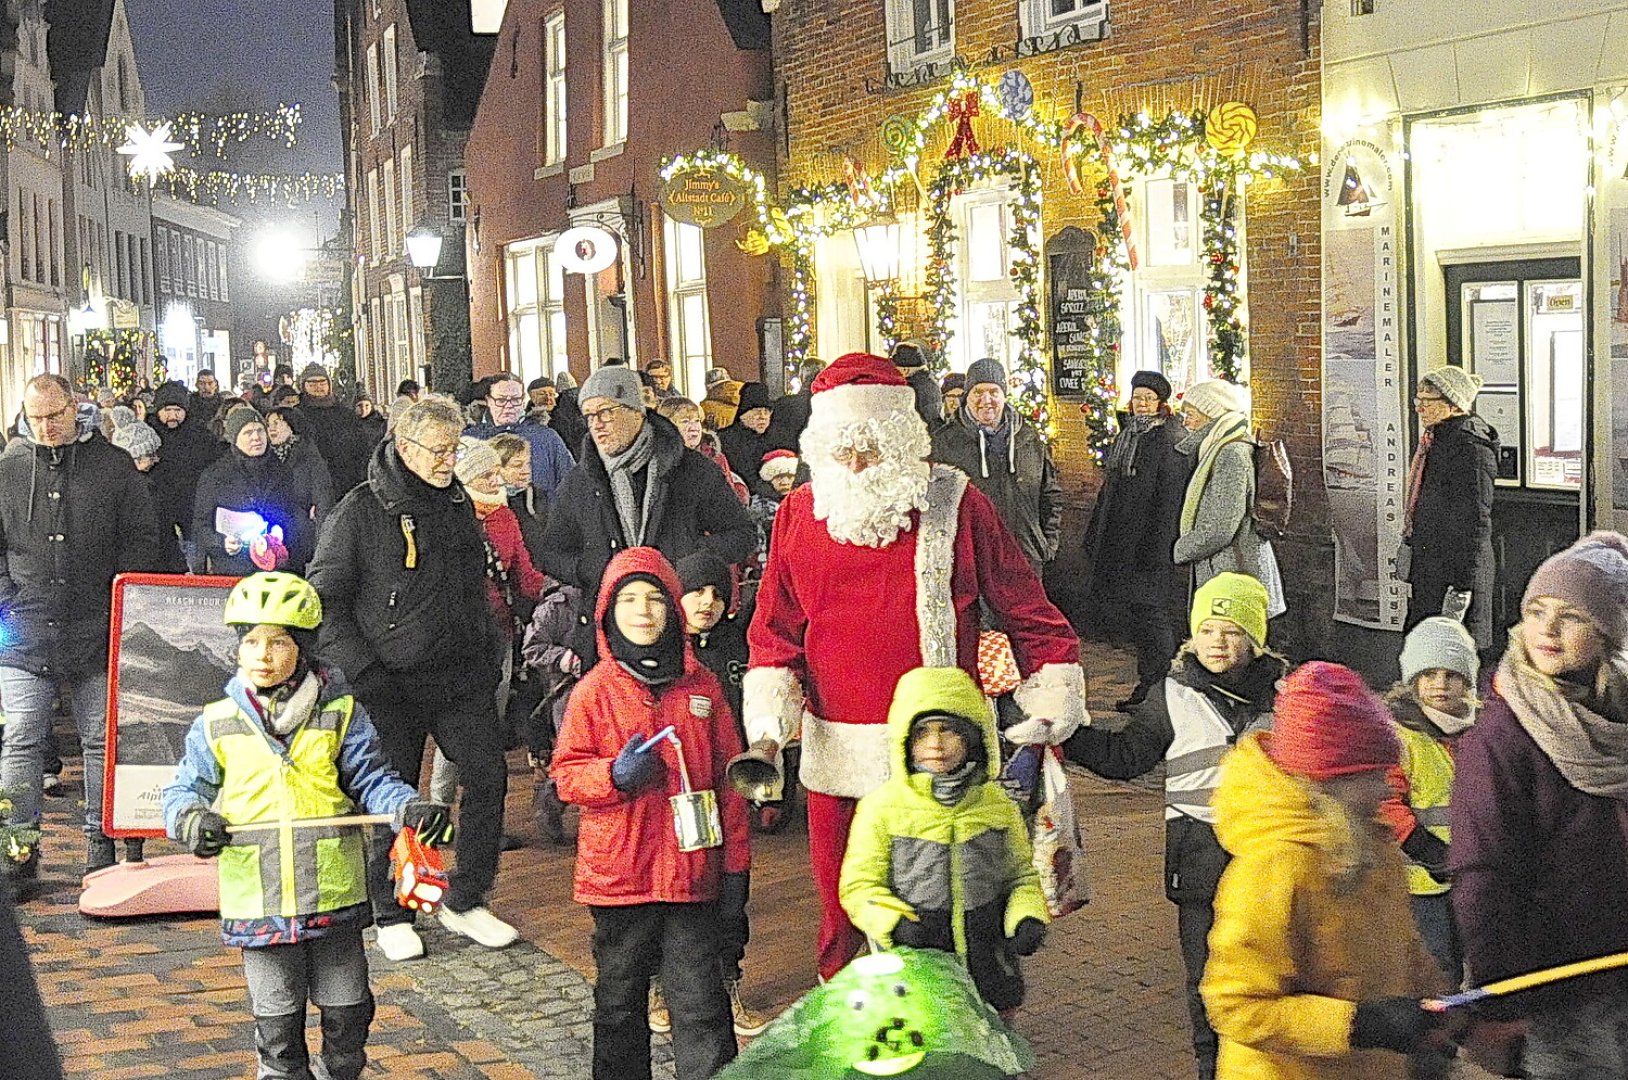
[(961, 111)]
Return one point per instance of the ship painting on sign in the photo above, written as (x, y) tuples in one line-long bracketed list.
[(1348, 444), (1354, 194)]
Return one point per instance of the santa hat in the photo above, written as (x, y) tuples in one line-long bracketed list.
[(858, 387), (778, 463), (1327, 723)]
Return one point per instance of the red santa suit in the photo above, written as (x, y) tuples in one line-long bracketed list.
[(838, 623)]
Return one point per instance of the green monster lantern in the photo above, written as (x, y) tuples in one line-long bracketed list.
[(909, 1012)]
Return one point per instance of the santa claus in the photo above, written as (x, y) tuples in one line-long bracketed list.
[(881, 564)]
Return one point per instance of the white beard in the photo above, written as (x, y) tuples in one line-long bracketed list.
[(872, 507)]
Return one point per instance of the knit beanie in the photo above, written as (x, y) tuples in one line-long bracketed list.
[(1458, 386), (908, 355), (1591, 575), (985, 371), (1327, 723), (1152, 380), (777, 463), (952, 382), (1214, 398), (716, 377), (476, 458), (1237, 598), (1439, 642), (615, 382), (137, 440), (970, 733), (121, 416), (313, 370), (238, 419), (171, 393), (703, 568), (565, 381)]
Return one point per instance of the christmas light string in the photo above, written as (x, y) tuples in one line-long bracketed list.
[(200, 133)]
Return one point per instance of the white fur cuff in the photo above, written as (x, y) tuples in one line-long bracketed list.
[(846, 760), (1053, 700), (771, 704)]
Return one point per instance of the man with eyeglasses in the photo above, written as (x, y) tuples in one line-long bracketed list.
[(506, 403), (335, 430), (73, 513), (401, 570), (637, 485)]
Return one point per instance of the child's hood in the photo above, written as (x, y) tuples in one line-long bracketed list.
[(938, 690), (639, 560), (1257, 805)]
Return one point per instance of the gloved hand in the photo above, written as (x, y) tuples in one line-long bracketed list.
[(432, 821), (633, 772), (1029, 935), (1395, 1023), (204, 832), (912, 933), (1429, 851)]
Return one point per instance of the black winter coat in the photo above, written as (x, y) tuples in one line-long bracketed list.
[(1193, 857), (790, 418), (568, 424), (744, 448), (1138, 516), (531, 508), (695, 510), (1022, 483), (723, 650), (1452, 524), (303, 458), (929, 398), (185, 452), (71, 518), (339, 438), (400, 620), (268, 487)]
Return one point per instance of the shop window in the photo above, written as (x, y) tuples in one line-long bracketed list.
[(458, 196), (1042, 17), (407, 215), (388, 178), (919, 32), (375, 222), (615, 74), (986, 316), (535, 297), (688, 322), (554, 96), (1163, 322)]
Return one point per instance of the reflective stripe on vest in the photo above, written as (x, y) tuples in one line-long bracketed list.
[(1193, 762), (1428, 766), (287, 871)]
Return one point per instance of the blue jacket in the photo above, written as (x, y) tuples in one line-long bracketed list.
[(364, 774), (550, 460)]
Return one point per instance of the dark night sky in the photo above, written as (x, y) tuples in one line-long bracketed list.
[(202, 54)]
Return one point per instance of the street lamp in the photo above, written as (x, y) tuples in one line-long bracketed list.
[(280, 256), (878, 244), (424, 249)]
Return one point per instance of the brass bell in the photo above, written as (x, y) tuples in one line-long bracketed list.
[(755, 774)]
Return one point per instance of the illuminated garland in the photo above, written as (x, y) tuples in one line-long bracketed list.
[(120, 373), (200, 133), (1106, 283), (887, 316), (191, 184), (800, 319)]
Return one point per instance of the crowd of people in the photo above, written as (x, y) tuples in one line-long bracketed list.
[(647, 592)]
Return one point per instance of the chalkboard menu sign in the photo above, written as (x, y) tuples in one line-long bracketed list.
[(1070, 256)]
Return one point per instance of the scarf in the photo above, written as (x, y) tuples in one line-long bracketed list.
[(1122, 456), (1227, 428), (999, 439), (622, 468), (285, 709), (1416, 480), (1448, 724), (283, 450), (1589, 749), (485, 505), (951, 787), (653, 665)]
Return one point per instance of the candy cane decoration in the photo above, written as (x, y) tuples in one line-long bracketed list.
[(1072, 149), (859, 182)]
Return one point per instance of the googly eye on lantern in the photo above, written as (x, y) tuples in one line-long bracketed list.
[(857, 1001), (900, 989)]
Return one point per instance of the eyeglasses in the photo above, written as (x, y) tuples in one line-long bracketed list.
[(506, 400), (444, 453), (47, 418), (603, 416)]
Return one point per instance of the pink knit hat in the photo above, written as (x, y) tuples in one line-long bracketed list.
[(1591, 575), (1327, 723)]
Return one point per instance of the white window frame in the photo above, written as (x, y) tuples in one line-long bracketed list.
[(458, 196), (616, 71), (554, 95), (690, 346), (375, 353), (390, 53), (902, 31), (998, 289), (401, 359), (388, 179), (375, 222), (407, 217), (374, 104), (1037, 18), (544, 306)]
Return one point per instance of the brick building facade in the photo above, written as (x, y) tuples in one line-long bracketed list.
[(843, 70), (409, 77), (584, 100)]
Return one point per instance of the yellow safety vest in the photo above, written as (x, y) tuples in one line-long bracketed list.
[(1429, 769), (285, 871)]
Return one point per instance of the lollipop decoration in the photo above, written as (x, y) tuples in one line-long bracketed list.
[(1230, 128), (896, 135), (1016, 95)]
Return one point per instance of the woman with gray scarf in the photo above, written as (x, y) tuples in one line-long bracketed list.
[(1539, 821), (1133, 530)]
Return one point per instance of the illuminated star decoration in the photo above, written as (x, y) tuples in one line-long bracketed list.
[(149, 151)]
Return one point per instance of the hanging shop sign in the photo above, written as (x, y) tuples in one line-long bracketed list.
[(586, 249), (1074, 311), (704, 197)]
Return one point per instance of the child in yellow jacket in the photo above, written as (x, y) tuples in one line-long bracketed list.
[(938, 857)]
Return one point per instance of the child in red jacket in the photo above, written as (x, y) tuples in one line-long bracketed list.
[(654, 902)]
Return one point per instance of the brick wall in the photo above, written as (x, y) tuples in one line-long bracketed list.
[(1159, 55)]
